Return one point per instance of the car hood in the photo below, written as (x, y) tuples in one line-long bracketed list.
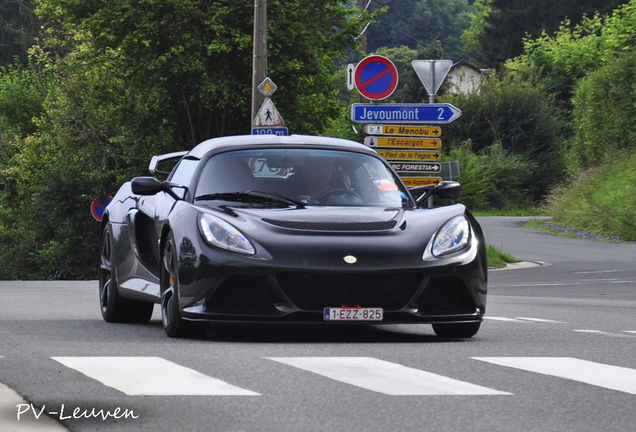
[(319, 237)]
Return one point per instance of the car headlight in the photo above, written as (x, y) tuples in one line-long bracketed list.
[(221, 234), (451, 237)]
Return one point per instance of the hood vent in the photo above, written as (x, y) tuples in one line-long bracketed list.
[(333, 226)]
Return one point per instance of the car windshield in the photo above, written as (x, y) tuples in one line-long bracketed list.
[(313, 177)]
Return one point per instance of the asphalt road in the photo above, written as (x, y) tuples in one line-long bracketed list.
[(510, 235), (556, 353)]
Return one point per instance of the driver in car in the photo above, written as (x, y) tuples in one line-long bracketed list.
[(317, 183)]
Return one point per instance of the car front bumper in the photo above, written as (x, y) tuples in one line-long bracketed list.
[(430, 294)]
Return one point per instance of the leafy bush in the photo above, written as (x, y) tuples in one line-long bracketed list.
[(520, 118), (604, 113), (23, 91), (554, 63), (493, 178), (600, 200)]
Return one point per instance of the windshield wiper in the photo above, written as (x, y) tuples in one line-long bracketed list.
[(251, 196)]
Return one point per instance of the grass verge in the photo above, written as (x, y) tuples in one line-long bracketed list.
[(498, 259)]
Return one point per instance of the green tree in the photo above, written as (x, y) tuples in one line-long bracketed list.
[(196, 56), (309, 40), (518, 116), (18, 29), (138, 78), (470, 36), (588, 70), (421, 22), (23, 90), (604, 113), (23, 94), (501, 25)]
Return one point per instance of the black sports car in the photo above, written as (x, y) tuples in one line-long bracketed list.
[(293, 229)]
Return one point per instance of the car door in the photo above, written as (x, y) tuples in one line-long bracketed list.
[(152, 212)]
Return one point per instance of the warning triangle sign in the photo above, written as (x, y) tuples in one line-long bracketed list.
[(268, 116)]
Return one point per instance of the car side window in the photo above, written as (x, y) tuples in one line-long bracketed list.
[(182, 175), (183, 172)]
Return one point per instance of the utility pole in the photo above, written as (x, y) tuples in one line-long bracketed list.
[(259, 61), (362, 4)]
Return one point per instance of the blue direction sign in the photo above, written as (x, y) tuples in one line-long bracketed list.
[(280, 131), (404, 113)]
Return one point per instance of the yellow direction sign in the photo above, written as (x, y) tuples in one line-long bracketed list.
[(420, 131), (417, 155), (421, 181), (403, 142)]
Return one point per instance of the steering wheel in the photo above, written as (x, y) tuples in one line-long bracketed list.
[(338, 192)]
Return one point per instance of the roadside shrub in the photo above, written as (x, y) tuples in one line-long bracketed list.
[(521, 119), (604, 113), (493, 177), (600, 200)]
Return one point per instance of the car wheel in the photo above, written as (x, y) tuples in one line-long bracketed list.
[(173, 323), (457, 331), (113, 306)]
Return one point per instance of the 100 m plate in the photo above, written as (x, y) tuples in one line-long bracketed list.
[(353, 314)]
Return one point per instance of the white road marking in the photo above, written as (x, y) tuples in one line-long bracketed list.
[(589, 331), (540, 320), (492, 318), (150, 376), (385, 377), (522, 319), (602, 375), (600, 332)]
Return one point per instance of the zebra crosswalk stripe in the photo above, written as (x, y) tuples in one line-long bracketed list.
[(385, 377), (597, 374), (150, 376), (156, 376)]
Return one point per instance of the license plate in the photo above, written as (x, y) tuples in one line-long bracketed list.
[(353, 314)]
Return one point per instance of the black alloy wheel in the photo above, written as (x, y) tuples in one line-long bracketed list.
[(173, 323)]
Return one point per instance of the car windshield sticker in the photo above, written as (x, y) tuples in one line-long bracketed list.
[(385, 185)]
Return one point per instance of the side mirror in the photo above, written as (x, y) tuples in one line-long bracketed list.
[(445, 190), (146, 186), (151, 186), (448, 190)]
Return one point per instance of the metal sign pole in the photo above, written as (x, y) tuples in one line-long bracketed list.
[(431, 95)]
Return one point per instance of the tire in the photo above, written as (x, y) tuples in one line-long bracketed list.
[(457, 331), (173, 323), (114, 307)]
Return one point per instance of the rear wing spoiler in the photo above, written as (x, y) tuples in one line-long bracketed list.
[(157, 160)]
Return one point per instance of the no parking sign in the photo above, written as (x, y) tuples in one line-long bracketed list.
[(99, 205), (376, 77)]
